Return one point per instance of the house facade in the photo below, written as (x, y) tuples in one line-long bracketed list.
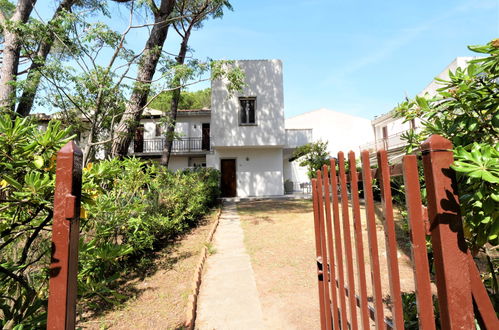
[(388, 129), (243, 134), (343, 132)]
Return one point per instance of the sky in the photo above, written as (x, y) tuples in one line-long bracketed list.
[(360, 57)]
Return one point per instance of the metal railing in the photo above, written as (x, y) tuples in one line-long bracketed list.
[(180, 145), (390, 143)]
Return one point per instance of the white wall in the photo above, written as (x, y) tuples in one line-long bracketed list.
[(293, 171), (185, 127), (264, 81), (343, 132), (178, 163), (258, 170)]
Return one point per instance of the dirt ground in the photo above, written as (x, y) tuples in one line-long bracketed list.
[(279, 236), (160, 298)]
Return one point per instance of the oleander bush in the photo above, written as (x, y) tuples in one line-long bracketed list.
[(129, 207)]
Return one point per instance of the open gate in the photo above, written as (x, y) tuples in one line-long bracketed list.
[(343, 289)]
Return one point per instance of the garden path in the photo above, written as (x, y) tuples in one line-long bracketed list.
[(228, 297)]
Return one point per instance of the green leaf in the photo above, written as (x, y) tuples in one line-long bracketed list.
[(38, 162)]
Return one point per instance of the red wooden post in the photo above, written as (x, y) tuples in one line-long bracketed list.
[(449, 246), (65, 234)]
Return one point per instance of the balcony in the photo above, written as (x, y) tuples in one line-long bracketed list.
[(390, 143), (180, 146)]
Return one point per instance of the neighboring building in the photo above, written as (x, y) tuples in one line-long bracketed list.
[(388, 130), (342, 131)]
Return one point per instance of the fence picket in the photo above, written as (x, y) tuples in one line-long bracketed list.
[(359, 246), (391, 241), (421, 269), (325, 260), (347, 241), (337, 241), (330, 248), (318, 253)]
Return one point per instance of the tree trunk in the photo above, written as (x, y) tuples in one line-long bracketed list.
[(172, 120), (124, 131), (34, 76), (11, 53)]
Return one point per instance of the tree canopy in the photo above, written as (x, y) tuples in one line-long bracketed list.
[(188, 100)]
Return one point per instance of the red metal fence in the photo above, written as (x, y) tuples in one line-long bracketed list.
[(343, 290)]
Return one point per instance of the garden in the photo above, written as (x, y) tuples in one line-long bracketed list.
[(130, 208)]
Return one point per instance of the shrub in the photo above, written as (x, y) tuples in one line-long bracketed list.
[(128, 206)]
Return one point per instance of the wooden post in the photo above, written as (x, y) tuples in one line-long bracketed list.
[(65, 235), (449, 246)]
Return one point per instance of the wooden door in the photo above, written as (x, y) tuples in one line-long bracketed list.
[(205, 141), (228, 184), (138, 143)]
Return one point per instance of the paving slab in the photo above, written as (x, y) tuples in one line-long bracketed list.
[(228, 297)]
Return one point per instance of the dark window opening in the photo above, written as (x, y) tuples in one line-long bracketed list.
[(159, 130), (247, 111)]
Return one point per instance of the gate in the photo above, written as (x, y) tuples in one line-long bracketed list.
[(343, 288)]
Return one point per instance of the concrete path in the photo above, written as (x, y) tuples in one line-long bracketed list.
[(228, 297)]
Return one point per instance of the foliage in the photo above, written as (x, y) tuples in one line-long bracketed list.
[(409, 306), (466, 111), (188, 100), (27, 173), (313, 155), (128, 207)]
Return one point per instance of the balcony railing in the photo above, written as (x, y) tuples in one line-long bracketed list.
[(391, 142), (181, 145)]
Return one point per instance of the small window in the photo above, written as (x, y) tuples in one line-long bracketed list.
[(159, 130), (247, 111)]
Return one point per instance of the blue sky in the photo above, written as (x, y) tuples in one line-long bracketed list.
[(357, 57)]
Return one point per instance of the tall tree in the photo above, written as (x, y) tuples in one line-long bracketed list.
[(192, 13), (11, 28), (147, 67), (38, 62)]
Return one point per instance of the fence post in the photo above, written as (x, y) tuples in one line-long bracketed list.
[(65, 235), (449, 246)]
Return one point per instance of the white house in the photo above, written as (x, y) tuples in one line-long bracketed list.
[(242, 135), (388, 129), (342, 131)]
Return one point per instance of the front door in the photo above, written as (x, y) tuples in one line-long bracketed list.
[(205, 142), (138, 141), (228, 184)]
